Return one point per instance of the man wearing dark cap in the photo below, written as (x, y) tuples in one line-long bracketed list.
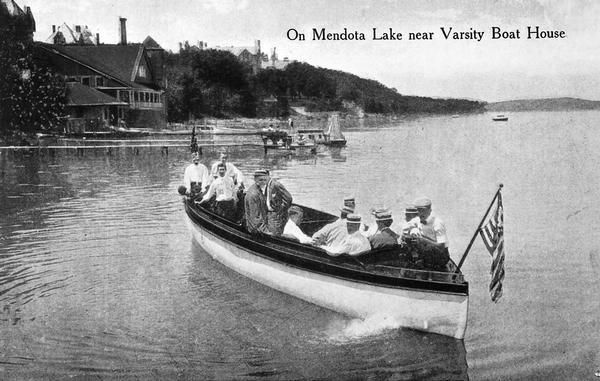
[(195, 177), (333, 234), (354, 243), (255, 204), (385, 237), (278, 201)]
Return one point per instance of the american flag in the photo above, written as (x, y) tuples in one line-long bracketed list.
[(492, 234)]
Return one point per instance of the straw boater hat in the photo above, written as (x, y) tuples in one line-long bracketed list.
[(422, 203), (347, 209), (353, 219), (349, 201), (410, 209), (383, 215), (261, 172)]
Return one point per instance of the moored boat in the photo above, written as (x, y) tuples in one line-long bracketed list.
[(333, 135), (373, 284), (500, 118)]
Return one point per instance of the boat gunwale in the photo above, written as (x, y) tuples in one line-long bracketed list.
[(309, 258)]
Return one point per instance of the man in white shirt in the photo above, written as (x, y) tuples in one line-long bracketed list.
[(230, 170), (354, 243), (292, 227), (195, 177), (429, 225), (222, 188), (333, 233)]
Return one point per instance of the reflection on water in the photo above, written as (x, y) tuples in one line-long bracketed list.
[(98, 274)]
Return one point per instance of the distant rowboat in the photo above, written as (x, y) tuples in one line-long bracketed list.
[(500, 118)]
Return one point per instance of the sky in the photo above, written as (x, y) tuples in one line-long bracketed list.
[(489, 70)]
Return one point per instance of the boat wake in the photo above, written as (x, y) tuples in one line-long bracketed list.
[(354, 329)]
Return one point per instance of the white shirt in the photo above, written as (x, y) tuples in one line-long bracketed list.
[(293, 230), (195, 173), (434, 228), (222, 187), (353, 244), (230, 171)]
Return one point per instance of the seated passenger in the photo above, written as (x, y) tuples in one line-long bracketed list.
[(332, 234), (222, 188), (354, 243), (429, 225), (429, 239), (411, 219), (292, 227), (384, 237)]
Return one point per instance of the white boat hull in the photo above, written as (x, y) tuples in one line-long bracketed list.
[(430, 311)]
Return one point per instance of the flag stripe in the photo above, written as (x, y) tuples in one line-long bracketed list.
[(492, 234)]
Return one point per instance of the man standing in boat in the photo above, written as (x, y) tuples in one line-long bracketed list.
[(279, 201), (230, 170), (222, 188), (195, 177), (255, 204)]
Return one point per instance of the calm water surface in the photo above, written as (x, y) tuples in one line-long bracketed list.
[(99, 276)]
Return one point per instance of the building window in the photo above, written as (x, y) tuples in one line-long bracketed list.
[(85, 81), (99, 81), (142, 71)]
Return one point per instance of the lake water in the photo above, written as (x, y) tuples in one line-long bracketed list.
[(100, 277)]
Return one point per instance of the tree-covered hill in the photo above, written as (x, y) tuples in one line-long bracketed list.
[(216, 83)]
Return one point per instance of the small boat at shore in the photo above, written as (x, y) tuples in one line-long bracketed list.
[(500, 118), (376, 283)]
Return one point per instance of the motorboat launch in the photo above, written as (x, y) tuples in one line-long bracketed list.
[(377, 283)]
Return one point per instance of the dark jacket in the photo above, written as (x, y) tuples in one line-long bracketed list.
[(280, 201), (384, 238), (256, 211)]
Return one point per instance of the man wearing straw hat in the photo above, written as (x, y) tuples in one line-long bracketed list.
[(195, 177), (385, 237), (334, 233), (354, 243)]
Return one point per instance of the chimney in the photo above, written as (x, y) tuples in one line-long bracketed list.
[(97, 38), (257, 46), (53, 28), (200, 44), (180, 47), (123, 30), (78, 28)]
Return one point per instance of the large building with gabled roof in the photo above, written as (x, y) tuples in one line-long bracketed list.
[(130, 75), (18, 20)]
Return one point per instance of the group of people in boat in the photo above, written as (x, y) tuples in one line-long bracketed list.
[(266, 208)]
